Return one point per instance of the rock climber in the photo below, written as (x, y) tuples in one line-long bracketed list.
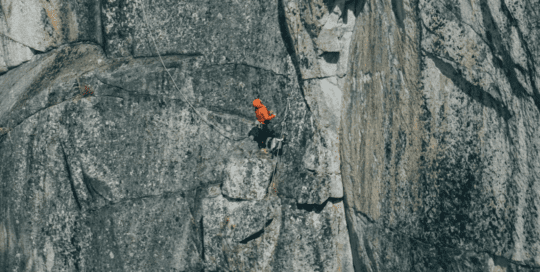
[(262, 132), (262, 113), (265, 133)]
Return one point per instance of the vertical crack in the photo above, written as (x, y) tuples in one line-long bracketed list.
[(474, 92), (289, 45), (70, 177), (99, 26), (399, 12), (506, 64), (354, 239), (530, 57), (201, 230)]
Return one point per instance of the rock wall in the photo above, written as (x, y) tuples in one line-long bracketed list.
[(106, 165), (412, 145), (35, 26), (439, 136), (320, 33)]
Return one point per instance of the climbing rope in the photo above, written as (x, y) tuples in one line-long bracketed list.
[(285, 118), (176, 86)]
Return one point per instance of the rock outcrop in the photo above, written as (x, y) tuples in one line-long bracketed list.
[(412, 129), (35, 26)]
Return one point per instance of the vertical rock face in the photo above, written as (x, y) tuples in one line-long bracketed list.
[(320, 32), (412, 135), (111, 160), (439, 136), (42, 25)]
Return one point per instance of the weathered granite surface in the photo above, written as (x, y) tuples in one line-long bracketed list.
[(320, 32), (37, 25), (12, 53), (106, 166), (439, 136), (412, 128)]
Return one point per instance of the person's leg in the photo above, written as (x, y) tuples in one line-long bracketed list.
[(265, 134), (276, 146)]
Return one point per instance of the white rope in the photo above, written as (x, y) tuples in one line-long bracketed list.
[(176, 86)]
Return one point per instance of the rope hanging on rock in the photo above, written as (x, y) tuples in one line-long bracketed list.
[(174, 82)]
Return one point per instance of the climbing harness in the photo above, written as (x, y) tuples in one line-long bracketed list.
[(176, 86)]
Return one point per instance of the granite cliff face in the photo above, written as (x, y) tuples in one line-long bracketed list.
[(413, 135), (440, 136)]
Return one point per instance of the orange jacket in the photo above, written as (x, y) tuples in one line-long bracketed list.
[(262, 112)]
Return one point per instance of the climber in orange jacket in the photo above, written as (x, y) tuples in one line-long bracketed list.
[(266, 130), (262, 112)]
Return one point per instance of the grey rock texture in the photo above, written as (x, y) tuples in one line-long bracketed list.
[(316, 235), (12, 54), (439, 136), (43, 25), (46, 24), (248, 177), (225, 32), (320, 32), (106, 166), (412, 141)]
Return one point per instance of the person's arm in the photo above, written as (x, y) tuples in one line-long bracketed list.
[(271, 117), (266, 115)]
